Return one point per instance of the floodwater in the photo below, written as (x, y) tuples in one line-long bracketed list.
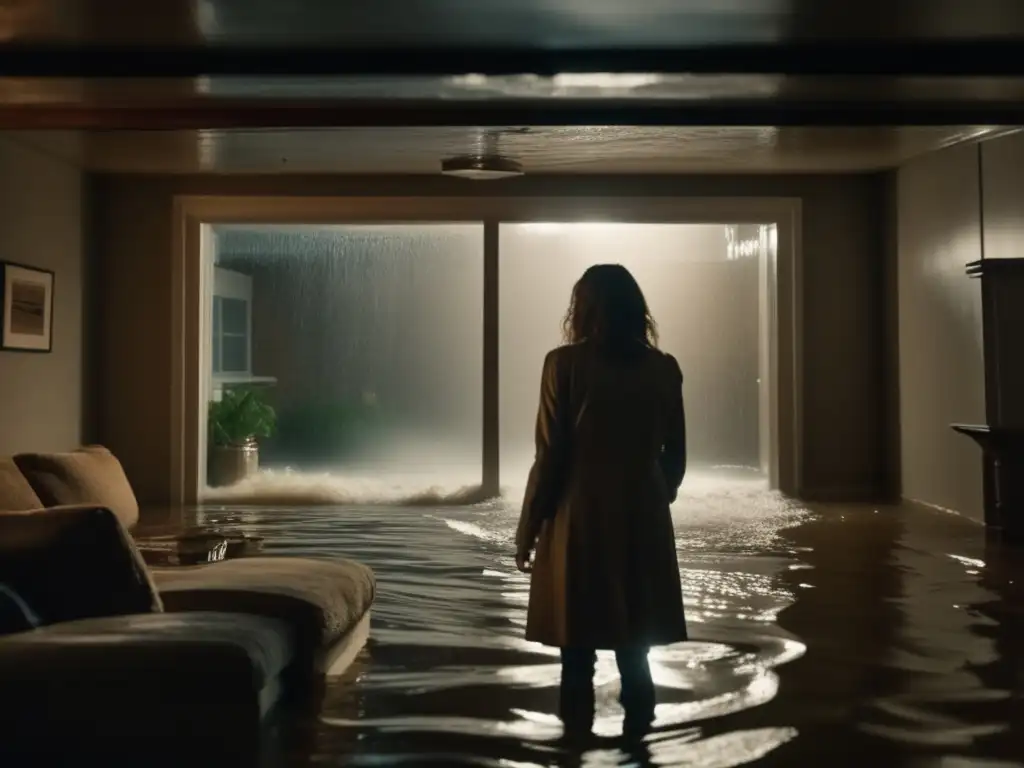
[(851, 635)]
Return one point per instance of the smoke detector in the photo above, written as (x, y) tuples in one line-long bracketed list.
[(481, 167)]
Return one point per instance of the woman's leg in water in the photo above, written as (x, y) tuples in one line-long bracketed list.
[(637, 694), (576, 694)]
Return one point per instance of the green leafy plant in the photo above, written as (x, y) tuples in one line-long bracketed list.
[(239, 416)]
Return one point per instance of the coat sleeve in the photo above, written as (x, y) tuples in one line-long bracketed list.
[(673, 456), (547, 476)]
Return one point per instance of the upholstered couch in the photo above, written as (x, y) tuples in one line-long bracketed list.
[(212, 647)]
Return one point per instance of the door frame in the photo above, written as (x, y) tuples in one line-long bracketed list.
[(193, 215)]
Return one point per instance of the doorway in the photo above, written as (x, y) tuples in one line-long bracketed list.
[(707, 290), (724, 294)]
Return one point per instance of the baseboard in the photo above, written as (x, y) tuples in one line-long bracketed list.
[(944, 510), (846, 496)]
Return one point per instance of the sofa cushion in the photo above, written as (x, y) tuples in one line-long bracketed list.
[(185, 689), (16, 495), (322, 600), (208, 644), (90, 475), (73, 563)]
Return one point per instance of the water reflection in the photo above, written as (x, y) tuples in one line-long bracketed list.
[(819, 635)]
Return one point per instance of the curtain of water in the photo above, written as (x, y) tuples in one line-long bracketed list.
[(704, 299), (373, 338)]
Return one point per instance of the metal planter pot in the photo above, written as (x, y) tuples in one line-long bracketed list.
[(230, 464)]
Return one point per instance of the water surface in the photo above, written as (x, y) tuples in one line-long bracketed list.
[(844, 634)]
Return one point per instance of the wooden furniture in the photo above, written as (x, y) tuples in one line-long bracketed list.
[(1002, 438)]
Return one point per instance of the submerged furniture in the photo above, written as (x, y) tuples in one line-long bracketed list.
[(196, 547), (171, 684), (102, 669), (128, 653), (1002, 438), (1003, 454)]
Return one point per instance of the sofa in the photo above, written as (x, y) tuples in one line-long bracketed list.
[(209, 650)]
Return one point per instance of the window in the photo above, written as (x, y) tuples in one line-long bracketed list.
[(230, 347), (376, 333)]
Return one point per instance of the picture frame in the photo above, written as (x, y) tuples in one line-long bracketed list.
[(26, 300)]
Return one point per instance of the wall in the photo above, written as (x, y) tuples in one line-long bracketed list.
[(42, 396), (940, 345), (955, 206), (843, 236), (1003, 195)]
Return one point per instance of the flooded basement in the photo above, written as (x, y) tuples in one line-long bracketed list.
[(846, 634)]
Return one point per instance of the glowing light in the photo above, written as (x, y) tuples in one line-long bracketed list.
[(970, 562), (605, 80), (564, 83), (737, 247), (576, 228)]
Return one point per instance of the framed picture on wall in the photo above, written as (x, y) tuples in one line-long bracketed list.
[(27, 308)]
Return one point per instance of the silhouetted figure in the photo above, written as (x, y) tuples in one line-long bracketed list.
[(611, 454)]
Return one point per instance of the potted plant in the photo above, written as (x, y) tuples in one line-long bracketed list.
[(235, 423)]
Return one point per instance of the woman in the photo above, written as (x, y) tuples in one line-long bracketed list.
[(595, 531)]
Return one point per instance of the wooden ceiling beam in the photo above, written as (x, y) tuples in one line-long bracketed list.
[(997, 57), (254, 114)]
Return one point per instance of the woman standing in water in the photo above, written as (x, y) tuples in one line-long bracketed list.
[(595, 531)]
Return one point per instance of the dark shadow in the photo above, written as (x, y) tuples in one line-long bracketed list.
[(914, 625), (844, 614), (1003, 578)]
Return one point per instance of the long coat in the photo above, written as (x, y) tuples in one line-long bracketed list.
[(610, 456)]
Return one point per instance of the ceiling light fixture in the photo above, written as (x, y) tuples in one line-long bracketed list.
[(481, 167)]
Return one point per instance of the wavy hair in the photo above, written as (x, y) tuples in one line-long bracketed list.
[(607, 306)]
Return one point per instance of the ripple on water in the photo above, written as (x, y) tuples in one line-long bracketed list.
[(448, 679)]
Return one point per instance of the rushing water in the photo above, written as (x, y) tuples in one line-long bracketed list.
[(847, 635)]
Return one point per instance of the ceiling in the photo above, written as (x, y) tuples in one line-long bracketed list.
[(541, 150), (604, 86), (274, 63), (550, 24)]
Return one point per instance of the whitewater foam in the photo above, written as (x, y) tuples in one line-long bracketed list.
[(273, 487), (702, 492)]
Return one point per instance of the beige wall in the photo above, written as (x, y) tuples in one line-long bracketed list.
[(1003, 194), (940, 347), (42, 396), (843, 238), (954, 207)]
